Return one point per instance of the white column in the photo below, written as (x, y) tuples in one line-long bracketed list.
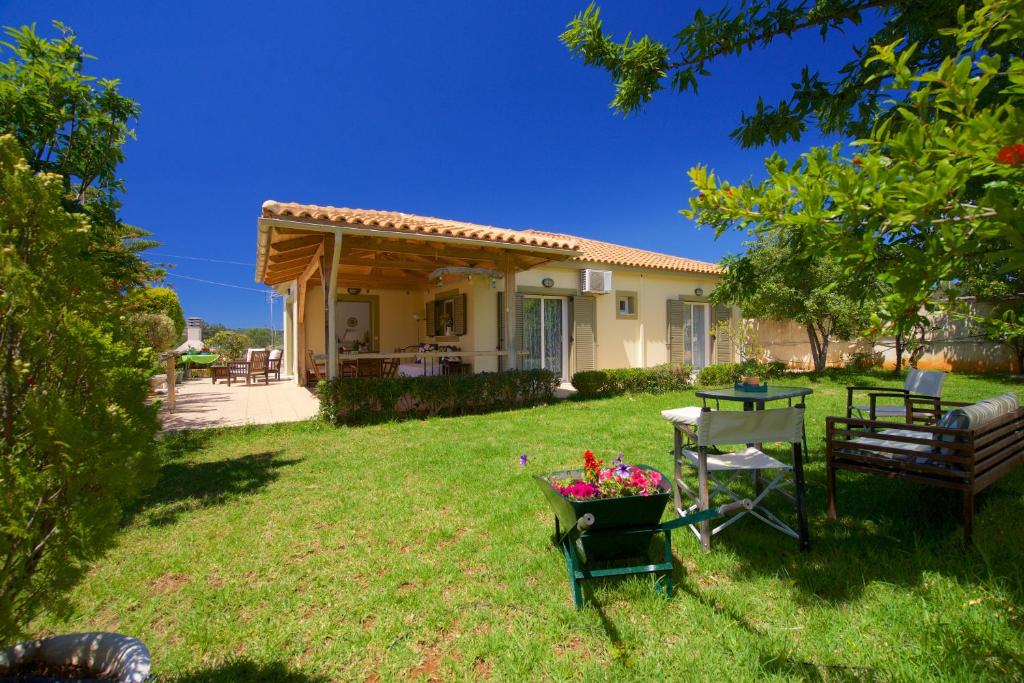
[(332, 310)]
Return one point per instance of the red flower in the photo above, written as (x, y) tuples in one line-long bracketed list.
[(857, 161), (1011, 154), (591, 467)]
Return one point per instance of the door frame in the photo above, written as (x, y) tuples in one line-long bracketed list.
[(565, 330), (707, 332)]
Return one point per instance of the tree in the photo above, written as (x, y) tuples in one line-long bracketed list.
[(74, 125), (771, 281), (936, 186), (230, 343), (993, 286), (76, 435), (160, 301), (848, 106)]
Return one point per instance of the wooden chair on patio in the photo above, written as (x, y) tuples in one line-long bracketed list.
[(253, 366), (316, 370), (369, 367), (274, 363), (390, 367)]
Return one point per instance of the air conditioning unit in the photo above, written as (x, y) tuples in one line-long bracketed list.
[(595, 281)]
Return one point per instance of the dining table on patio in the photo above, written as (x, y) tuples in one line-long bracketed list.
[(188, 360)]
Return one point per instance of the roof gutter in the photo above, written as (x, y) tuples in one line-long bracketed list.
[(265, 224)]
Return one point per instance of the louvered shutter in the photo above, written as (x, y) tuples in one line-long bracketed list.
[(676, 330), (460, 315), (517, 343), (428, 315), (584, 335), (723, 340), (502, 360)]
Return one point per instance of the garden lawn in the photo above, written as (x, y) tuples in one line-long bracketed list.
[(422, 551)]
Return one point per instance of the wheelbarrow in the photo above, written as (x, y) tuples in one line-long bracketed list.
[(598, 533)]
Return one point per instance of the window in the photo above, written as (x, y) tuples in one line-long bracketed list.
[(625, 305), (446, 316)]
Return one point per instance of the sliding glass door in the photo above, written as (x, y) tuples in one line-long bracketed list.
[(545, 321), (695, 335)]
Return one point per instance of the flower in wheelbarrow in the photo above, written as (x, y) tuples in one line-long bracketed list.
[(522, 460), (580, 490), (591, 467)]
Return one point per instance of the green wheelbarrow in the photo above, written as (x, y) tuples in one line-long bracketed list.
[(600, 536)]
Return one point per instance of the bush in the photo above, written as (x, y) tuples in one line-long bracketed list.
[(362, 400), (77, 442), (729, 373), (603, 383)]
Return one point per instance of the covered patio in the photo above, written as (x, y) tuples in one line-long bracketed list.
[(372, 286)]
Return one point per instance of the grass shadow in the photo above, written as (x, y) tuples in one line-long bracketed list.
[(188, 486), (891, 532), (244, 671)]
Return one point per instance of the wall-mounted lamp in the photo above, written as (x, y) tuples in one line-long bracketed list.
[(354, 290), (699, 291), (548, 282)]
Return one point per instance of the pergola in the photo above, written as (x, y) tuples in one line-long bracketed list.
[(340, 248)]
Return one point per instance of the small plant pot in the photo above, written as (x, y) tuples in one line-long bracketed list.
[(77, 656), (751, 380)]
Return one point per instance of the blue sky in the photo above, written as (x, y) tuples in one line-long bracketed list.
[(468, 110)]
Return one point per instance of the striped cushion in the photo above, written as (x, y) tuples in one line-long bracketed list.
[(977, 414)]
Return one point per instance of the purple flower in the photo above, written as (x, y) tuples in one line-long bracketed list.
[(618, 460), (623, 471), (522, 460)]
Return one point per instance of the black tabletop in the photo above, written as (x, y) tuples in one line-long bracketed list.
[(774, 393)]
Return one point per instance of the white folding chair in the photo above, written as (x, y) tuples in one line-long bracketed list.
[(716, 472)]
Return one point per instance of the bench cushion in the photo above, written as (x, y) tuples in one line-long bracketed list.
[(977, 414)]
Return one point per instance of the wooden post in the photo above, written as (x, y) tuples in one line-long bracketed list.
[(511, 342), (331, 288), (171, 377)]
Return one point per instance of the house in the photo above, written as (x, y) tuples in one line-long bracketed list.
[(380, 282)]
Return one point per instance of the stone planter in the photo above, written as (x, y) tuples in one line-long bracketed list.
[(105, 656)]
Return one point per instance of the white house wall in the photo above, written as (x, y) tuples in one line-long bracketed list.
[(621, 343)]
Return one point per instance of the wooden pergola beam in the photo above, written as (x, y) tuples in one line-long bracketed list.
[(297, 242), (431, 249)]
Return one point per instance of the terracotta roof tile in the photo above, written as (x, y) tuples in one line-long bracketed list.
[(589, 250), (615, 254), (405, 222)]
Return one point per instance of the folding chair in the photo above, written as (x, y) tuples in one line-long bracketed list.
[(717, 471), (919, 384)]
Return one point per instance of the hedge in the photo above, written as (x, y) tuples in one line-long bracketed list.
[(602, 383), (728, 373), (364, 400)]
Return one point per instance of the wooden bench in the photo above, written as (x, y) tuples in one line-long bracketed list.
[(965, 460)]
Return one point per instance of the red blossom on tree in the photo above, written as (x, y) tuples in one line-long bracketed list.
[(1011, 154)]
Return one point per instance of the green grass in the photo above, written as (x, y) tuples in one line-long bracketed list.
[(421, 550)]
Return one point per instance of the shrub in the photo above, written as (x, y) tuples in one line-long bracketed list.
[(602, 383), (729, 373), (362, 400), (77, 438)]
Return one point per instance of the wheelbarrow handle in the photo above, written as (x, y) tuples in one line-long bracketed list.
[(585, 522), (730, 508)]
